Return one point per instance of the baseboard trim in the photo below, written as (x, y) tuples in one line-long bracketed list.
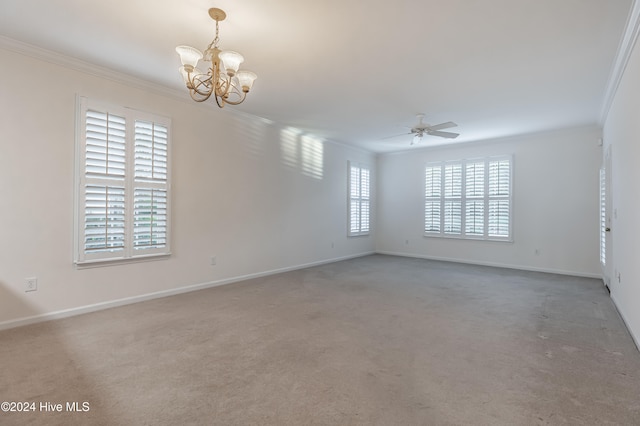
[(65, 313), (493, 264), (625, 322)]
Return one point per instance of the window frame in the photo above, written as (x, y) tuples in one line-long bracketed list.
[(132, 186), (359, 229), (603, 216), (436, 199)]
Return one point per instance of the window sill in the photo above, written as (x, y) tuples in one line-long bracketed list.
[(460, 238), (364, 234), (88, 264)]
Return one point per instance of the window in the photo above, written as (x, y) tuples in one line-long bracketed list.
[(359, 199), (603, 216), (122, 188), (469, 199)]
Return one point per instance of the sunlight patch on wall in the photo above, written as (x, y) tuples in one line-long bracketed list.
[(289, 138), (311, 156), (302, 152)]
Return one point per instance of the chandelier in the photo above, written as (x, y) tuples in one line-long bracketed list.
[(222, 78)]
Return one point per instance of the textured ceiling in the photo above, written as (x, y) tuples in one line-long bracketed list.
[(356, 71)]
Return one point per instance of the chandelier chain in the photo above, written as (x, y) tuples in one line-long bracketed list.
[(215, 41)]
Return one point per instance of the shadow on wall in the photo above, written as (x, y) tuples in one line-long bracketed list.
[(254, 133), (43, 379)]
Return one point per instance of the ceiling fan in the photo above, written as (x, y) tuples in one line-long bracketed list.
[(421, 129)]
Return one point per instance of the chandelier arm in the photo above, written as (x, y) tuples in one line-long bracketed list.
[(236, 92), (220, 101), (222, 87), (196, 88), (202, 99), (238, 102), (201, 93), (197, 94)]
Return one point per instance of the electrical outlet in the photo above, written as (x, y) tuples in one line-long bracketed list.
[(30, 284), (213, 261)]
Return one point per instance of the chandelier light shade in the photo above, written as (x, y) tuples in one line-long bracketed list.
[(223, 80)]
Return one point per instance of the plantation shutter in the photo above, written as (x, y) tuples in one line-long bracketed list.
[(122, 196), (603, 217), (150, 189), (104, 191), (474, 202), (151, 144), (453, 198), (359, 199), (364, 200), (499, 198), (433, 180), (355, 200), (469, 199), (149, 218)]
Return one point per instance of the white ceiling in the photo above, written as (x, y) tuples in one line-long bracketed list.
[(356, 71)]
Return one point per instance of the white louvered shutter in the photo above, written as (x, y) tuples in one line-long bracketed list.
[(365, 202), (122, 183), (150, 188), (432, 193), (104, 182), (150, 218), (453, 199), (359, 199), (499, 217), (354, 191), (469, 199), (603, 216), (474, 198)]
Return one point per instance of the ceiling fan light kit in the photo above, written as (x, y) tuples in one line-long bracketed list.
[(222, 79)]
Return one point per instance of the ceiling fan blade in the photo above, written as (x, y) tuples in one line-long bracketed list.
[(394, 136), (448, 135), (443, 126)]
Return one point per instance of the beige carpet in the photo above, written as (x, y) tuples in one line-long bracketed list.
[(378, 340)]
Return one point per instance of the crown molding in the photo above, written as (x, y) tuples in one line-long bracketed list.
[(79, 65), (627, 43), (76, 64)]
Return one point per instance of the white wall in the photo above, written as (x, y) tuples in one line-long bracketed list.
[(555, 203), (248, 191), (622, 133), (261, 198)]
